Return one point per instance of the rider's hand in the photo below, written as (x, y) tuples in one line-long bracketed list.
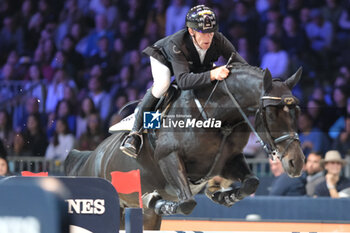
[(219, 73)]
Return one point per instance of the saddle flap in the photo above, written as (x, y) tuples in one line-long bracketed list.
[(124, 125)]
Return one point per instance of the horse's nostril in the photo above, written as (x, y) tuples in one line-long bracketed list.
[(291, 163)]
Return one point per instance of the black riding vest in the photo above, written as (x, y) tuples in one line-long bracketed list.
[(179, 54)]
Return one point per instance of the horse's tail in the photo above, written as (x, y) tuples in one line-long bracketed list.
[(74, 161)]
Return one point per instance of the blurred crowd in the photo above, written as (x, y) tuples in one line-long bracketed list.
[(68, 67)]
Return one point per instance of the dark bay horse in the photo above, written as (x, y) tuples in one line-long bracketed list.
[(190, 157)]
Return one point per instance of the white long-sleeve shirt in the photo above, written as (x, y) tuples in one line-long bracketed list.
[(60, 152)]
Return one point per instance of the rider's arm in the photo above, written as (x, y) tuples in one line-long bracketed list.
[(186, 79)]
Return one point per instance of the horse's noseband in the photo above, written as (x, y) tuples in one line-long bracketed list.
[(271, 147)]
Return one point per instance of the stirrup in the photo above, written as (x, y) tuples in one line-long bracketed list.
[(126, 150)]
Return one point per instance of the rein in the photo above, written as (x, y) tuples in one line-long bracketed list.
[(271, 148)]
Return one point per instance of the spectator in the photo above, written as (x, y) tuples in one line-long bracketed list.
[(311, 137), (19, 147), (339, 125), (4, 166), (175, 16), (332, 11), (34, 136), (294, 40), (314, 172), (319, 32), (342, 142), (36, 87), (273, 29), (344, 24), (11, 37), (6, 130), (283, 185), (61, 143), (101, 29), (276, 59), (101, 98), (55, 90), (32, 106), (63, 110), (87, 108), (94, 134), (334, 181)]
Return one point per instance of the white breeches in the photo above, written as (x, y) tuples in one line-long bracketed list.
[(161, 78)]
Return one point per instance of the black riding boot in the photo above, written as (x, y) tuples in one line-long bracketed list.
[(131, 145)]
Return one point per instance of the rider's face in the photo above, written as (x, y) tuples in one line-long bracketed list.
[(203, 40)]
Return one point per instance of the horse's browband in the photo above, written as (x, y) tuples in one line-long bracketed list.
[(271, 98)]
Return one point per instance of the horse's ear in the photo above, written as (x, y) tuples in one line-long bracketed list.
[(267, 80), (294, 79)]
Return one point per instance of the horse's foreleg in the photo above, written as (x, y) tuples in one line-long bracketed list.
[(236, 169), (174, 172), (151, 221)]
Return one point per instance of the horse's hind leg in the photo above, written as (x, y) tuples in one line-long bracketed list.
[(174, 172), (237, 169), (122, 219)]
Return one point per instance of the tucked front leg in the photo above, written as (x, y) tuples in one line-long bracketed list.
[(175, 174), (236, 169)]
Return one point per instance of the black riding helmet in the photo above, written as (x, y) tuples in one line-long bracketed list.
[(202, 19)]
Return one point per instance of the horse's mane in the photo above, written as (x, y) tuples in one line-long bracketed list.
[(242, 67)]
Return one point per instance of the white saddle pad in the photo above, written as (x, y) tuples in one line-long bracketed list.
[(124, 125)]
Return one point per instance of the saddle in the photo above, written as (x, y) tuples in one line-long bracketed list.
[(126, 124)]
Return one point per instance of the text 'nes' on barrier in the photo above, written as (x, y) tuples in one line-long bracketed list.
[(57, 204)]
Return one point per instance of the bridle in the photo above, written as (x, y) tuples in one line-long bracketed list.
[(271, 146), (285, 101)]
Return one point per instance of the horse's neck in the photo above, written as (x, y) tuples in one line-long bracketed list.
[(246, 85)]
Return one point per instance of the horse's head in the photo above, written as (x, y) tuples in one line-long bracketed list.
[(276, 122)]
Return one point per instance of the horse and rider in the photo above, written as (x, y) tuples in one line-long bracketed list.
[(180, 162), (189, 55)]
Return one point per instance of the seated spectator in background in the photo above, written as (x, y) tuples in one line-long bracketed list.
[(318, 112), (273, 29), (276, 59), (334, 181), (339, 125), (36, 87), (101, 98), (311, 137), (19, 146), (283, 185), (319, 31), (32, 106), (55, 90), (94, 134), (342, 142), (6, 131), (101, 28), (314, 172), (175, 16), (4, 166), (61, 143), (320, 34), (34, 136), (63, 110), (87, 107)]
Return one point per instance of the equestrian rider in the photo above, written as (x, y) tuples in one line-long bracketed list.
[(189, 55)]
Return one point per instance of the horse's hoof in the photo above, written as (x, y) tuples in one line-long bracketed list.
[(227, 197), (150, 199), (186, 207), (164, 207), (249, 186)]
